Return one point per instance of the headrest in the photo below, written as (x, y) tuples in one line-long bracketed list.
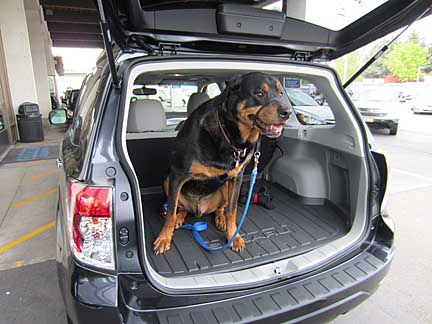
[(146, 115), (195, 100)]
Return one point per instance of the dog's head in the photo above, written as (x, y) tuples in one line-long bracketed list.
[(255, 100)]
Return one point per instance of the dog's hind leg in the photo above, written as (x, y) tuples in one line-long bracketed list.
[(163, 240)]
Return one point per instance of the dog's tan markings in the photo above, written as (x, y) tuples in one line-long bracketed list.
[(181, 215), (246, 126), (265, 88), (199, 171), (269, 114), (248, 133), (231, 226), (278, 86), (162, 242)]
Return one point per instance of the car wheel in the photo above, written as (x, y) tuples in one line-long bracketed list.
[(393, 130)]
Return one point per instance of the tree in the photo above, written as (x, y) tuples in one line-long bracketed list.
[(379, 68), (405, 59), (347, 65), (428, 67)]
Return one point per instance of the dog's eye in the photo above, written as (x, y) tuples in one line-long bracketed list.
[(260, 94)]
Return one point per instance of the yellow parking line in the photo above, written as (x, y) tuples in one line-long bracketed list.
[(29, 200), (26, 237), (19, 264), (40, 175)]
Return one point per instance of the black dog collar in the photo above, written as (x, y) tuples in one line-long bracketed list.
[(238, 153)]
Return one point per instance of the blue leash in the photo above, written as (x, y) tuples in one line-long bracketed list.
[(202, 226)]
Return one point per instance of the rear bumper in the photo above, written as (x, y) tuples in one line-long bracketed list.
[(318, 298), (422, 109), (382, 123)]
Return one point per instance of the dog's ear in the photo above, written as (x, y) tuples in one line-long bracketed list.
[(233, 85)]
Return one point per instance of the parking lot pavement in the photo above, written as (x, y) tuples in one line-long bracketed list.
[(30, 294), (405, 295), (28, 285)]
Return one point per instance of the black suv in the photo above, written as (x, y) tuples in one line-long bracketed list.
[(324, 247)]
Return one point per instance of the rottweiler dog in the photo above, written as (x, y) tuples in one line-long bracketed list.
[(212, 150)]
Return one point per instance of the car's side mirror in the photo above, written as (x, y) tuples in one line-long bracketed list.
[(58, 117)]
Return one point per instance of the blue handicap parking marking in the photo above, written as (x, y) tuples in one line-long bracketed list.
[(43, 152), (28, 153)]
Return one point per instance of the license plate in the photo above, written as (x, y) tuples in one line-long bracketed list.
[(368, 120)]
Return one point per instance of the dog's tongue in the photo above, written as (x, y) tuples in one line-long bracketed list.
[(274, 128)]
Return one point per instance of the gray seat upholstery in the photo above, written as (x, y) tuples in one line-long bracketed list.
[(195, 100), (146, 115)]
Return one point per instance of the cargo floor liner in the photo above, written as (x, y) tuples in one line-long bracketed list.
[(289, 229)]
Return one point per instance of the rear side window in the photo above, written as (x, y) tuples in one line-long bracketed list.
[(174, 96), (309, 104), (77, 142)]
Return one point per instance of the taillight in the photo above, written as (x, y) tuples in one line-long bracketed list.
[(90, 224)]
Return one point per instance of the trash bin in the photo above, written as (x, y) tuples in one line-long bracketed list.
[(29, 122)]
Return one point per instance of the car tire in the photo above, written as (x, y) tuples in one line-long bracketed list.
[(393, 130)]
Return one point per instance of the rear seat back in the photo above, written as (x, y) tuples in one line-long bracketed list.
[(195, 100), (146, 115), (148, 144)]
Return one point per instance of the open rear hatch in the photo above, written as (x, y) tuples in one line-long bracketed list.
[(243, 26)]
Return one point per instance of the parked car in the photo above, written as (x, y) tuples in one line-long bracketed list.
[(323, 249), (309, 111), (423, 101), (379, 107)]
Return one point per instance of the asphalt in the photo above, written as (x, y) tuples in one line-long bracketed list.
[(28, 285)]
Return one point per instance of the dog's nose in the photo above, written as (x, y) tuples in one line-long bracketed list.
[(284, 113)]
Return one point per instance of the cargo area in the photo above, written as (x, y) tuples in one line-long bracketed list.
[(287, 230), (315, 173)]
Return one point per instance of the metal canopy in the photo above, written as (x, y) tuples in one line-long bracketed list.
[(73, 23)]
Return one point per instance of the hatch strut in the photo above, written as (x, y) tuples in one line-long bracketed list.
[(381, 51), (107, 43)]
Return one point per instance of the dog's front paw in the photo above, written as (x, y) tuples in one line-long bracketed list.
[(162, 243), (238, 244), (220, 222)]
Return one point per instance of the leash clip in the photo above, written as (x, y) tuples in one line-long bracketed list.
[(256, 159)]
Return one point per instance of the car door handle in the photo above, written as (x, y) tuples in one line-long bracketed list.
[(59, 163)]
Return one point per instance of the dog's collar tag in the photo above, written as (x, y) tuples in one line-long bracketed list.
[(238, 155)]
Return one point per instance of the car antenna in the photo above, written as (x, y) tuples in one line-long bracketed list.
[(381, 51)]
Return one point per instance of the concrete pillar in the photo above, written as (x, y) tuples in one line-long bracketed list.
[(17, 53), (37, 35)]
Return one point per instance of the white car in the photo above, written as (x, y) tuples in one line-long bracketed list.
[(379, 107), (423, 101)]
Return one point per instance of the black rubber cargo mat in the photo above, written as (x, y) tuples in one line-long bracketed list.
[(289, 229)]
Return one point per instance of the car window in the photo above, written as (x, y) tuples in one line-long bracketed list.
[(308, 103), (174, 97), (82, 117)]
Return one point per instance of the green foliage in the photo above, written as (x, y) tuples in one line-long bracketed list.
[(379, 68), (350, 61), (428, 68), (405, 58)]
